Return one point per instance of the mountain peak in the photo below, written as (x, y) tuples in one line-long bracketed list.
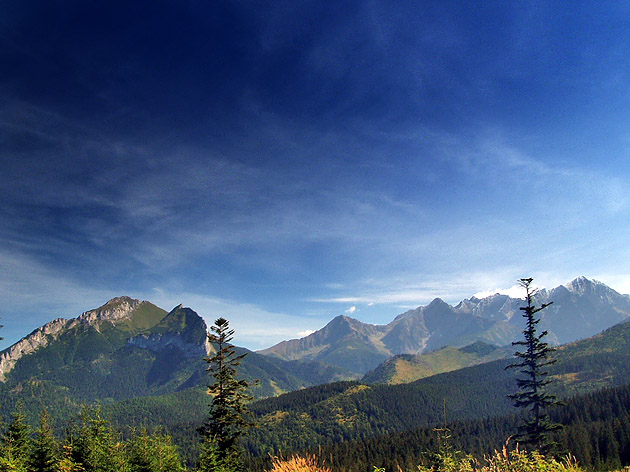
[(582, 285), (121, 300), (437, 302), (115, 309)]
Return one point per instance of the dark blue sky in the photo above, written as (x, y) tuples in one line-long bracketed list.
[(282, 163)]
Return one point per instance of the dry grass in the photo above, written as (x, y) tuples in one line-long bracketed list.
[(297, 464), (521, 461)]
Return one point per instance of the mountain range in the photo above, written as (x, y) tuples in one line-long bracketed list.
[(129, 348), (580, 309)]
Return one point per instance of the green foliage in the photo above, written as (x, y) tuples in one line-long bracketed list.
[(522, 461), (212, 459), (46, 453), (66, 462), (16, 444), (153, 453), (97, 447), (92, 446), (532, 395)]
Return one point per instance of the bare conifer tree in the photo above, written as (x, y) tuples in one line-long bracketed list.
[(532, 395)]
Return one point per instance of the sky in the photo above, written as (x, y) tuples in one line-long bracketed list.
[(282, 163)]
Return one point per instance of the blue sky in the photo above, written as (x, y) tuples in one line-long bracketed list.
[(283, 163)]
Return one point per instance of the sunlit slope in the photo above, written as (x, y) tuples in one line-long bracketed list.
[(406, 368)]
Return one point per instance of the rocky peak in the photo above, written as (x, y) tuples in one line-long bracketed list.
[(438, 303), (582, 285), (116, 309)]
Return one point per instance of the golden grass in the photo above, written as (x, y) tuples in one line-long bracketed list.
[(297, 464)]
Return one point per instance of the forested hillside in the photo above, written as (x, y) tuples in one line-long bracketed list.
[(596, 432)]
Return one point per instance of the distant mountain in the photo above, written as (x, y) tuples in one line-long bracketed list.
[(405, 368), (580, 309), (129, 348)]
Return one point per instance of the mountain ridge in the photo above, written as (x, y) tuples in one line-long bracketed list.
[(581, 309)]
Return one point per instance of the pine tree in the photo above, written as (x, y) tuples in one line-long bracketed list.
[(531, 395), (153, 453), (46, 455), (96, 447), (16, 444), (228, 410), (67, 462)]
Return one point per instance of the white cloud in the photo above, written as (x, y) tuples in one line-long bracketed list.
[(351, 310), (32, 295), (405, 292), (515, 291), (306, 332), (256, 328)]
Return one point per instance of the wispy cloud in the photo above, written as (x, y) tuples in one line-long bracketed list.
[(255, 327), (34, 294)]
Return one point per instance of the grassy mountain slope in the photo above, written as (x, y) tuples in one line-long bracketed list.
[(406, 368)]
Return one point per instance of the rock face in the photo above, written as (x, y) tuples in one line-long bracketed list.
[(581, 308), (38, 338), (113, 312), (182, 329)]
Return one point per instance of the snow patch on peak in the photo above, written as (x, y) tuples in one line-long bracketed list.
[(582, 285)]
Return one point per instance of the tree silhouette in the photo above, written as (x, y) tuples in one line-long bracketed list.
[(228, 410), (531, 395)]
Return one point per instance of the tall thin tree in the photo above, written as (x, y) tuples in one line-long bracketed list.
[(532, 395), (228, 414), (16, 444), (46, 451)]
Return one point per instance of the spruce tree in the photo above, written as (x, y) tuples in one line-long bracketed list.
[(153, 453), (67, 462), (16, 444), (532, 395), (96, 447), (227, 419), (46, 454)]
